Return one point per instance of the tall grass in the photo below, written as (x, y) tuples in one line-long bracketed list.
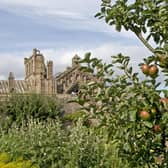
[(48, 145)]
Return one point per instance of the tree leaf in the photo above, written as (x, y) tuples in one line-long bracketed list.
[(148, 124)]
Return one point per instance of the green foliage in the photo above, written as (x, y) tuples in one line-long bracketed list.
[(89, 147), (116, 102), (40, 142), (22, 107), (149, 17), (146, 19), (48, 145), (73, 117), (132, 109), (6, 162)]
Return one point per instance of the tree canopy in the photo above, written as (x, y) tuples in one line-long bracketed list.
[(148, 19)]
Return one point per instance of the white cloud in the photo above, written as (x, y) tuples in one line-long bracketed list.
[(60, 13), (11, 63), (72, 5), (74, 14), (62, 57), (2, 77)]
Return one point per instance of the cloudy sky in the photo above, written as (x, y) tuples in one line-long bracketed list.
[(60, 29)]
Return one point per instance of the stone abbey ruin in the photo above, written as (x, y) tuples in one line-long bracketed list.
[(39, 78)]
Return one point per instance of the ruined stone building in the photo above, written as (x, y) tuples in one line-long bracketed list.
[(70, 80), (38, 75), (39, 78)]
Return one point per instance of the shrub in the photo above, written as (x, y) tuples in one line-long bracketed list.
[(22, 107), (41, 142), (89, 147), (6, 162)]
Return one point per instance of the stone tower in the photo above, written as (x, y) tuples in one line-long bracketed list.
[(38, 75), (11, 82)]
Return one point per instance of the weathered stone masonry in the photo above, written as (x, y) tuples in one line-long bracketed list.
[(39, 78)]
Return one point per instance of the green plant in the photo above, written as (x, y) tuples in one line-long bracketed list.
[(48, 145), (22, 107), (90, 147), (73, 117), (116, 100), (6, 162), (39, 141)]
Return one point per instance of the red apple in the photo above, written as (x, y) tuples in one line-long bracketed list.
[(157, 128), (153, 70), (145, 68), (144, 115)]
